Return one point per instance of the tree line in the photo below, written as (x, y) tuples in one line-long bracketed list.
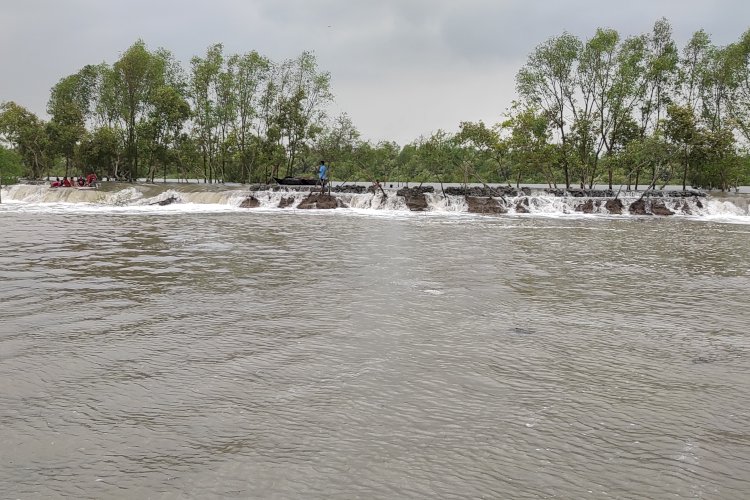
[(635, 111), (238, 117)]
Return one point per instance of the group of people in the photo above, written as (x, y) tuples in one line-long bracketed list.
[(90, 180)]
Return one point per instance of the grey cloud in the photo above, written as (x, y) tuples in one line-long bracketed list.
[(398, 66)]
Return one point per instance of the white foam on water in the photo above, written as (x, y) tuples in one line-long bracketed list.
[(193, 199), (447, 203)]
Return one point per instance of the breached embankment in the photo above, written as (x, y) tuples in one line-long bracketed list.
[(506, 199), (487, 200)]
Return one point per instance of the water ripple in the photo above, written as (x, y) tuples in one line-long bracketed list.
[(236, 355)]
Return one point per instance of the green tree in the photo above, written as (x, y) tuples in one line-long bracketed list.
[(11, 166), (337, 144), (616, 107), (719, 166), (135, 77), (547, 82), (28, 135), (409, 166), (168, 114), (595, 78), (376, 162), (528, 147), (252, 72), (681, 129), (302, 92), (103, 151), (715, 88), (204, 84), (441, 157), (738, 59), (68, 107), (662, 59), (484, 147), (643, 153), (693, 68)]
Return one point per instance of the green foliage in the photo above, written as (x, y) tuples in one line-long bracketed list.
[(601, 109), (11, 166), (69, 106), (526, 151), (608, 101), (135, 78), (681, 129), (28, 135), (738, 103), (647, 160), (103, 152), (718, 166)]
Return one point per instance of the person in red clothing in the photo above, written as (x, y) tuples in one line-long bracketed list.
[(90, 179), (66, 182), (56, 183), (81, 182)]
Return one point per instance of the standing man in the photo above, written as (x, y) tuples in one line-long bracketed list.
[(323, 175)]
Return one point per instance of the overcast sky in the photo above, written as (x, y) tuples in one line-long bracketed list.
[(399, 68)]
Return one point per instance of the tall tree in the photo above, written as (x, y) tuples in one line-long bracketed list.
[(617, 125), (69, 106), (661, 71), (738, 56), (597, 71), (715, 87), (547, 82), (251, 76), (204, 82), (302, 94), (692, 69), (136, 75), (168, 114)]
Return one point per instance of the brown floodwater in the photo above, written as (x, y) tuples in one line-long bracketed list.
[(348, 355)]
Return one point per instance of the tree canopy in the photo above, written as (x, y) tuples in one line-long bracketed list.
[(604, 110)]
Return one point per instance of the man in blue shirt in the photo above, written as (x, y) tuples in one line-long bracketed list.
[(323, 174)]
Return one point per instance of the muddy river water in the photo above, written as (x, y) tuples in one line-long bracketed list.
[(343, 354)]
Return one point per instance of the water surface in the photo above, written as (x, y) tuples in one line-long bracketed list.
[(173, 354)]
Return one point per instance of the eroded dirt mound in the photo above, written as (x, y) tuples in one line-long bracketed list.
[(482, 205), (659, 208), (614, 206), (250, 202), (286, 202), (415, 197), (655, 207), (638, 207), (321, 202), (522, 206), (586, 208)]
